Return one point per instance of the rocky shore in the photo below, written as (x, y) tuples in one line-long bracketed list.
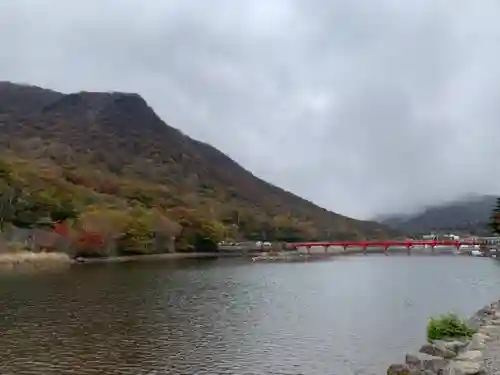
[(479, 354)]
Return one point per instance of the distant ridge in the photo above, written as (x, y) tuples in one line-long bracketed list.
[(467, 215)]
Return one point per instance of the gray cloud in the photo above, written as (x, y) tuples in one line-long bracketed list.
[(363, 107)]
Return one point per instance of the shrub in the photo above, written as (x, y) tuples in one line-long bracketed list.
[(89, 245), (447, 327)]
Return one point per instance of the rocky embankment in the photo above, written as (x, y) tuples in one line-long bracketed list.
[(479, 354)]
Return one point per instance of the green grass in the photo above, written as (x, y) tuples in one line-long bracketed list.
[(448, 326)]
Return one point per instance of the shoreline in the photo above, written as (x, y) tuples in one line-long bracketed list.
[(13, 260), (237, 254), (476, 355), (156, 257)]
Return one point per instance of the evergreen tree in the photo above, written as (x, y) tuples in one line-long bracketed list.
[(494, 223)]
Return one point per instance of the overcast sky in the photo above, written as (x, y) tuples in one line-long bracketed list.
[(364, 107)]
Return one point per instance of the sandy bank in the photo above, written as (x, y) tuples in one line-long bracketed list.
[(27, 259)]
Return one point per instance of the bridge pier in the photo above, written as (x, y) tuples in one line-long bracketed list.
[(433, 249), (386, 249), (408, 249)]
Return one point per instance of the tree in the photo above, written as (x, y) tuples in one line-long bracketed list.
[(210, 234), (9, 195), (6, 173), (28, 211), (62, 211), (138, 236), (142, 197), (165, 230), (198, 232), (494, 223), (108, 223), (89, 244), (7, 209)]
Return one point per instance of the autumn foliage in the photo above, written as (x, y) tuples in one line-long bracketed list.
[(139, 218), (104, 164), (89, 243)]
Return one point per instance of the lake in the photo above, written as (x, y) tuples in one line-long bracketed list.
[(350, 315)]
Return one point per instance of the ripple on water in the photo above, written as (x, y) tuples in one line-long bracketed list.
[(347, 316)]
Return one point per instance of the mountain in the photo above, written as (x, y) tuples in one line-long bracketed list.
[(469, 215), (113, 149)]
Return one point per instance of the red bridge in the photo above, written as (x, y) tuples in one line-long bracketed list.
[(408, 244)]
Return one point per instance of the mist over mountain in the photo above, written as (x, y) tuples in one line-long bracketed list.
[(469, 215)]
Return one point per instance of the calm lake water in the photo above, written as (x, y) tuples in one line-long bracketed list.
[(350, 315)]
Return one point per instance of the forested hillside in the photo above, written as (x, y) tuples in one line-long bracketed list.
[(88, 158)]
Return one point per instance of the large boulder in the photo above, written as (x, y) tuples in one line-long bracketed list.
[(404, 369), (463, 368), (477, 342), (437, 349), (398, 369), (470, 356), (454, 345), (423, 362), (482, 316), (491, 331)]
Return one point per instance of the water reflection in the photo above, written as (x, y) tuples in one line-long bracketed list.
[(350, 315)]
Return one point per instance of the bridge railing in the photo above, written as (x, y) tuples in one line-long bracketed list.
[(386, 244)]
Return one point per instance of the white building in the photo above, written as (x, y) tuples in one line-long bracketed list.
[(441, 237), (429, 237)]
